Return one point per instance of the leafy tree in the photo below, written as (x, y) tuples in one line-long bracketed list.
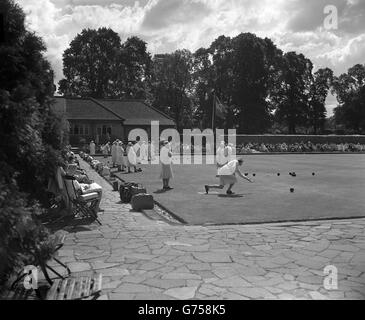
[(90, 65), (98, 65), (203, 82), (292, 91), (241, 71), (30, 139), (321, 84), (172, 86), (255, 64), (222, 78), (350, 90), (136, 66)]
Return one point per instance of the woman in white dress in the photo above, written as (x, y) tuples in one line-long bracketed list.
[(227, 176), (166, 168), (131, 158), (85, 188), (114, 153), (104, 149), (119, 156), (92, 148)]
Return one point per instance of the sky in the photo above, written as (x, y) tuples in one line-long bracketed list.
[(168, 25)]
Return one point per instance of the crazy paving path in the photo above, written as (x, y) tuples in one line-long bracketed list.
[(148, 259)]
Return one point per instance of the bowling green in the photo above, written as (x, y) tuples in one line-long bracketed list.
[(337, 190)]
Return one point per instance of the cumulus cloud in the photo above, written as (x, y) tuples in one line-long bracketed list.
[(167, 25), (164, 13)]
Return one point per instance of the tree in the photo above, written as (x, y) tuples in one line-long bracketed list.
[(350, 90), (291, 94), (136, 67), (172, 86), (203, 83), (90, 65), (222, 79), (98, 65), (321, 84), (30, 139), (255, 64), (241, 71)]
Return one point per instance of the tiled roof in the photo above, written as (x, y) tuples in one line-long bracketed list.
[(86, 109), (136, 112), (131, 112)]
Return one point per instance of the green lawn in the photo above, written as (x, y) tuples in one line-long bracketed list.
[(336, 191)]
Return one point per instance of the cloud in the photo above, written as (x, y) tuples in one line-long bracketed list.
[(345, 55), (310, 15), (165, 13), (168, 25)]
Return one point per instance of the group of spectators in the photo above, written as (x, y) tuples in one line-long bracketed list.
[(65, 190), (299, 147), (146, 151)]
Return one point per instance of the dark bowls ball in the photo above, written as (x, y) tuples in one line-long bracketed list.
[(292, 190)]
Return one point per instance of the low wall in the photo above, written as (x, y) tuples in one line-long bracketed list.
[(290, 139)]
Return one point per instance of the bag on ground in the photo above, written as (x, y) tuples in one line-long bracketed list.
[(105, 171), (137, 189), (115, 185), (142, 201), (125, 192)]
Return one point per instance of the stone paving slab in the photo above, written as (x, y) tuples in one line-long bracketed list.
[(146, 259)]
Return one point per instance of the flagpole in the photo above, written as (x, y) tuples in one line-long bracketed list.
[(213, 122), (213, 113)]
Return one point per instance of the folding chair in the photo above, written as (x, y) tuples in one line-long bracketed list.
[(78, 287), (72, 288), (82, 205), (58, 243)]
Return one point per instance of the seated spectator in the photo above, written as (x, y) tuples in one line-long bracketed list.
[(300, 147), (263, 148), (85, 188)]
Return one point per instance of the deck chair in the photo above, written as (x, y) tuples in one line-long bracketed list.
[(81, 205), (58, 243), (69, 287), (78, 287)]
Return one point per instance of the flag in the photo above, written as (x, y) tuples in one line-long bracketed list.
[(220, 109)]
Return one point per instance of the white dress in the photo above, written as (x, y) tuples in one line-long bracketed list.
[(166, 161), (119, 155), (114, 153), (92, 148), (131, 157)]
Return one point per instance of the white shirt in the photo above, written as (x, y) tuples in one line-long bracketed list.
[(165, 155), (132, 157), (221, 159), (229, 169)]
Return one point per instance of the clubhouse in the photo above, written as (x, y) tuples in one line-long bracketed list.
[(104, 120)]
